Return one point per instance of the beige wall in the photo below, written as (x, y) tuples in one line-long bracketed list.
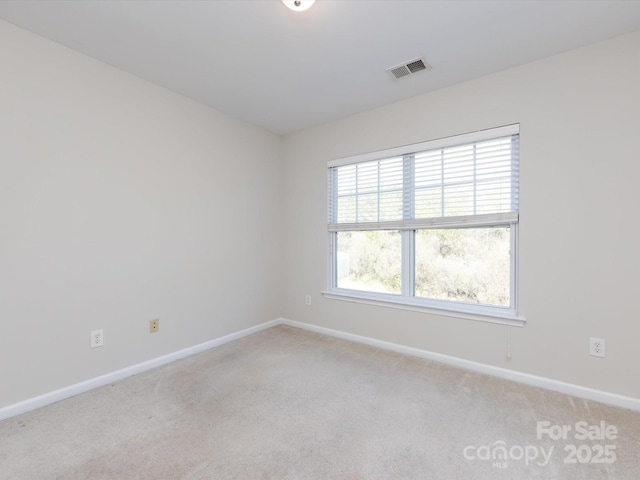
[(579, 116), (121, 202)]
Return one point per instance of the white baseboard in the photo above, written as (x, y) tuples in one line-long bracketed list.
[(525, 378), (72, 390), (528, 379)]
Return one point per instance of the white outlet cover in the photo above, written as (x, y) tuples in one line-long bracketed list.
[(597, 347), (97, 338)]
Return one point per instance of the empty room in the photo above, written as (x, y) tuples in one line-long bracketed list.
[(330, 239)]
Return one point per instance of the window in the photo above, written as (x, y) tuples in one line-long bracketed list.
[(433, 225)]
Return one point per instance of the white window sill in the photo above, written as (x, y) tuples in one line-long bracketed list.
[(447, 309)]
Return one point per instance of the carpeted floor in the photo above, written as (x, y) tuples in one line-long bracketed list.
[(290, 404)]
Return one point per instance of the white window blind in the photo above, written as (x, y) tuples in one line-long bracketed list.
[(472, 183)]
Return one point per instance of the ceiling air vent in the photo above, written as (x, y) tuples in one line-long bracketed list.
[(408, 68)]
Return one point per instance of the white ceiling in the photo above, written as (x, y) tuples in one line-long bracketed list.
[(285, 71)]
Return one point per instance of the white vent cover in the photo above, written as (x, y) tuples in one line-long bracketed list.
[(408, 68)]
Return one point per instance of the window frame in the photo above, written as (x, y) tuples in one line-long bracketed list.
[(406, 299)]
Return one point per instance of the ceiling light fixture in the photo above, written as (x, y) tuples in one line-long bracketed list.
[(298, 5)]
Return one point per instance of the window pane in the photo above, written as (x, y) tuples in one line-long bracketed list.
[(390, 205), (469, 265), (458, 200), (428, 202), (369, 261), (347, 209), (470, 179), (368, 177), (367, 192), (458, 164), (346, 180), (391, 174)]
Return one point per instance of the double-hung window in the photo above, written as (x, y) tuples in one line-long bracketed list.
[(429, 226)]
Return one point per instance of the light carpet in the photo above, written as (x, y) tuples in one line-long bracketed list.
[(290, 404)]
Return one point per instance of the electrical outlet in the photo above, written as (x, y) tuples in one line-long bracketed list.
[(154, 325), (597, 347), (97, 338), (307, 299)]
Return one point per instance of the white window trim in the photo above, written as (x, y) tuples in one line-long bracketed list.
[(467, 311), (406, 301)]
